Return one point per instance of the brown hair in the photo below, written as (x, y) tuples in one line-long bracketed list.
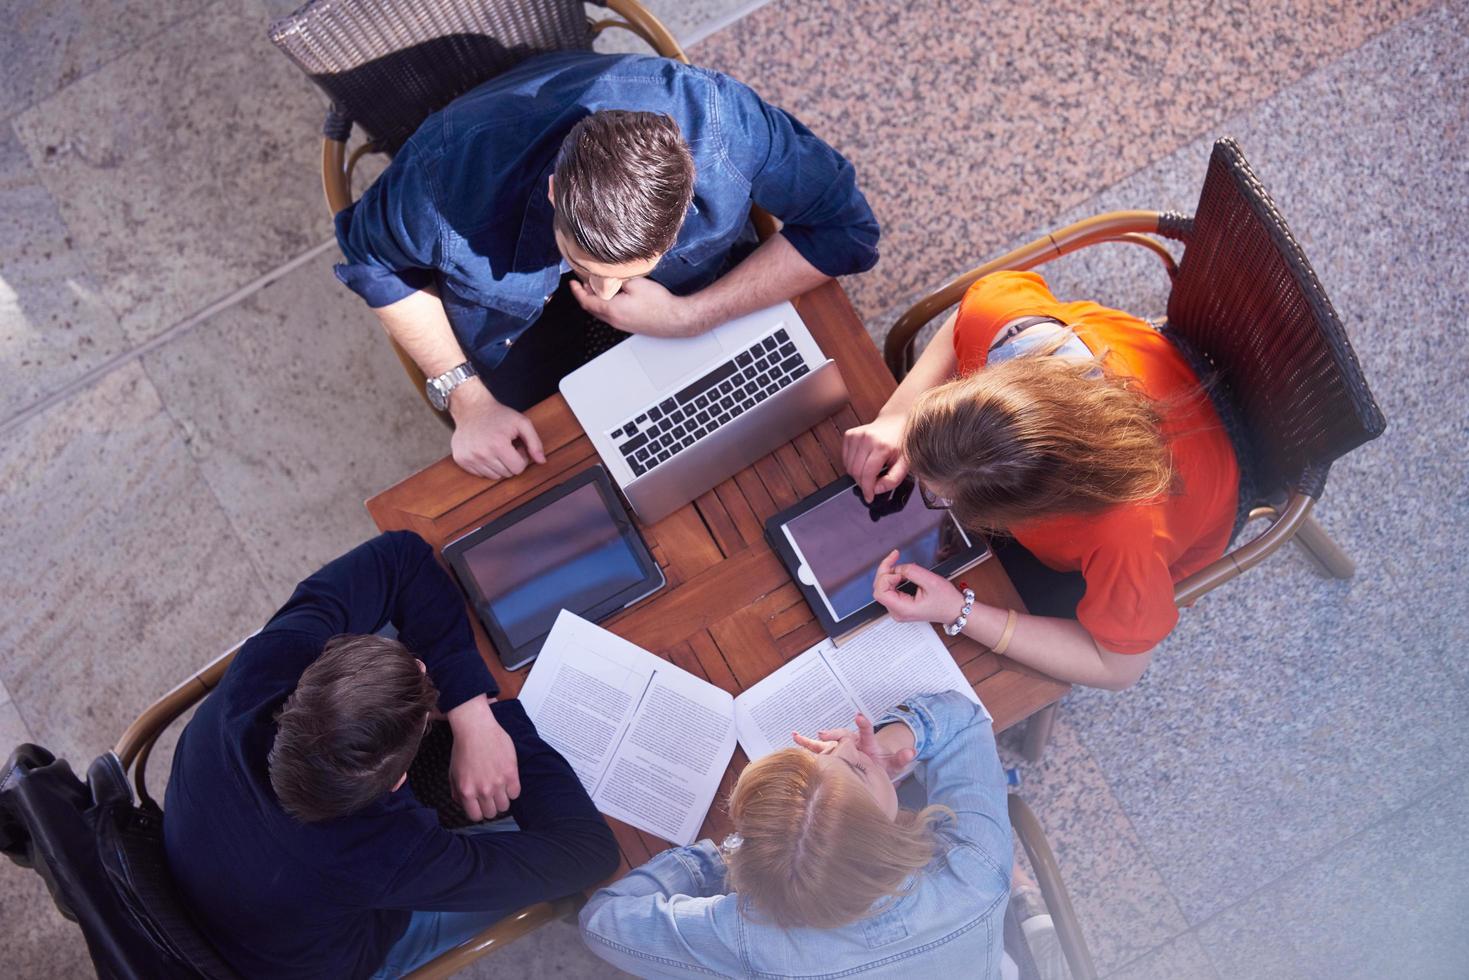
[(624, 181), (815, 849), (350, 729), (1038, 436)]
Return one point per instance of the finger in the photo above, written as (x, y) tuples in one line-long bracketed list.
[(906, 756), (471, 807), (833, 734), (589, 300), (510, 458), (852, 447), (502, 800), (871, 468), (893, 477), (531, 438), (888, 564), (808, 743), (512, 787), (864, 727), (922, 577)]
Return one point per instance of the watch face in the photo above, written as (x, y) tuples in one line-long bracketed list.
[(436, 396)]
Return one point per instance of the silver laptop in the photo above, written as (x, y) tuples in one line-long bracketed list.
[(673, 418)]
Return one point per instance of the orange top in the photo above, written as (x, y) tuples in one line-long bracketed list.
[(1132, 554)]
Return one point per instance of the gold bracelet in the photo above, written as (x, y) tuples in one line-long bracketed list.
[(999, 648)]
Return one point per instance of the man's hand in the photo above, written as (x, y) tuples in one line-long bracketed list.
[(482, 767), (866, 449), (642, 306), (937, 601), (485, 434)]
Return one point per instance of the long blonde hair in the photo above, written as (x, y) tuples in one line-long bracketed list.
[(816, 850), (1036, 437)]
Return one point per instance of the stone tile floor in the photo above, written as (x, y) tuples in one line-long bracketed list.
[(1285, 793)]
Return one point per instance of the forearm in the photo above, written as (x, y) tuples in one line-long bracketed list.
[(775, 271), (1060, 648), (420, 325), (936, 365)]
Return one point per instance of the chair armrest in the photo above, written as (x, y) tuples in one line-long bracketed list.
[(1246, 556), (1112, 226), (1053, 889), (491, 938)]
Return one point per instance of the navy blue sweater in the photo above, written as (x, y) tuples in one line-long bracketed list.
[(282, 898)]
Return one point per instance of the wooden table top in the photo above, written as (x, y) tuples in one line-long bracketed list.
[(729, 613)]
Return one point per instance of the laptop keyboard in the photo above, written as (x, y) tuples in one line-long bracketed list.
[(724, 394)]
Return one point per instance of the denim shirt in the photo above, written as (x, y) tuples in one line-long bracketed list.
[(675, 917), (464, 203)]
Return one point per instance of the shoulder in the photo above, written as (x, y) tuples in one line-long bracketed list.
[(991, 302), (1128, 606)]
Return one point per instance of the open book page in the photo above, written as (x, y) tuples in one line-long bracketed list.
[(664, 775), (802, 696), (648, 740), (890, 661)]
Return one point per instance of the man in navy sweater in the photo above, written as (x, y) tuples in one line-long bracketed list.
[(288, 824)]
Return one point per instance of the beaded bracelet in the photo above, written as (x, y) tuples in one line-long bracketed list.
[(954, 628)]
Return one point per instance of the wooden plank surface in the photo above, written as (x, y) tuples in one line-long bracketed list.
[(730, 613)]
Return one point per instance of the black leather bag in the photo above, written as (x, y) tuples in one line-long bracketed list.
[(102, 859)]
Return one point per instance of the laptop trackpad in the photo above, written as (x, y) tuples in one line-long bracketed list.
[(666, 360)]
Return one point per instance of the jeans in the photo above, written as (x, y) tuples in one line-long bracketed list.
[(432, 933)]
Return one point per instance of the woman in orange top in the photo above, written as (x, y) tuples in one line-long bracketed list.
[(1082, 434)]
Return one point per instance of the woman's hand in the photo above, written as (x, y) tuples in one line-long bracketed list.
[(937, 600), (866, 449), (893, 752)]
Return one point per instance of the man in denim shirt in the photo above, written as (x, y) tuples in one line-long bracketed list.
[(635, 175)]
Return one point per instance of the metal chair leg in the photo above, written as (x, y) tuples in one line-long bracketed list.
[(1314, 540), (1038, 732)]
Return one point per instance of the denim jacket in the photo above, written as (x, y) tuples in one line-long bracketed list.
[(675, 917), (464, 202)]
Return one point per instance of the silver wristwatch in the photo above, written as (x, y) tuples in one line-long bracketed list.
[(440, 388)]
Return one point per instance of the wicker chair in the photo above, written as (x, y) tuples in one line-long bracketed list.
[(386, 65), (136, 745), (1245, 305)]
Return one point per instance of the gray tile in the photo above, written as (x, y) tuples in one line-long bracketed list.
[(54, 326), (4, 694), (553, 952), (1181, 958), (186, 168), (13, 729), (1287, 708), (1389, 903), (296, 410), (124, 572), (47, 46), (37, 943), (1124, 905)]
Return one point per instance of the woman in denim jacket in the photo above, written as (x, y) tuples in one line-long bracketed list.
[(826, 876)]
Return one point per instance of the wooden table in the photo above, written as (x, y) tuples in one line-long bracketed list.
[(729, 613)]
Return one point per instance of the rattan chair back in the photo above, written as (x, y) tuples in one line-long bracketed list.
[(387, 65), (1247, 300)]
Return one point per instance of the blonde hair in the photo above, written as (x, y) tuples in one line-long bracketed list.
[(1036, 437), (815, 849)]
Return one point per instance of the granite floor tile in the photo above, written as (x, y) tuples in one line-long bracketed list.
[(969, 123), (1288, 708), (1124, 905), (186, 168), (122, 572), (1388, 903), (47, 46), (37, 943), (13, 729), (296, 411), (54, 326), (553, 952), (687, 20), (1181, 958)]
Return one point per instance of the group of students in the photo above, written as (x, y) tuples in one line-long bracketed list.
[(1077, 436)]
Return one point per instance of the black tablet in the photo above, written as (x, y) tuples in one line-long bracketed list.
[(573, 547), (833, 541)]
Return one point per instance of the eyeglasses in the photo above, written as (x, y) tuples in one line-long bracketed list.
[(932, 500)]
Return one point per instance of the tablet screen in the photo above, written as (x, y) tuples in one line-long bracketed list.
[(842, 541), (567, 555)]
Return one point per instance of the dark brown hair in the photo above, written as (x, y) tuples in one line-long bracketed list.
[(1038, 437), (350, 729), (623, 183)]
